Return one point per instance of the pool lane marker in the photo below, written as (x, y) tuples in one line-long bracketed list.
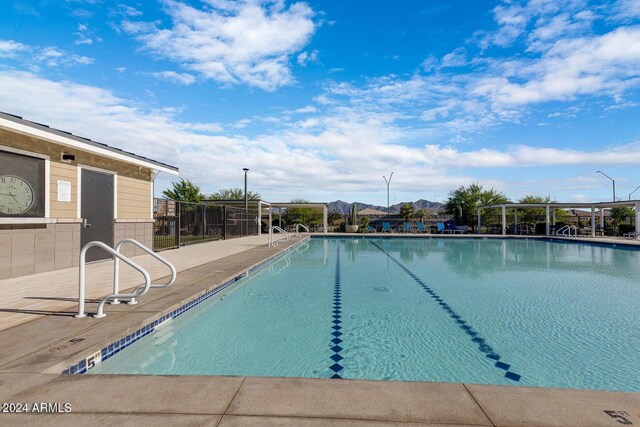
[(337, 321), (483, 347)]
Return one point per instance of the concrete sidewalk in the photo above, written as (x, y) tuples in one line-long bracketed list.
[(29, 297)]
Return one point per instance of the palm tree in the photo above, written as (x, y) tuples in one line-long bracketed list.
[(406, 211)]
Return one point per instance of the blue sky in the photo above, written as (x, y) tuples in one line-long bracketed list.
[(320, 99)]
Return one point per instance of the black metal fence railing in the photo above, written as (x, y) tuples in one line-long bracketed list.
[(182, 223)]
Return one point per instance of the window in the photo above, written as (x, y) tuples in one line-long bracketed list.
[(22, 185)]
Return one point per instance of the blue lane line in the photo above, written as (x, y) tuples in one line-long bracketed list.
[(483, 347), (337, 321)]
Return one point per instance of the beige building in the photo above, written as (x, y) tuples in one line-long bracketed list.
[(59, 191)]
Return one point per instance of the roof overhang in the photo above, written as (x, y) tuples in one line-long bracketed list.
[(564, 205), (25, 127)]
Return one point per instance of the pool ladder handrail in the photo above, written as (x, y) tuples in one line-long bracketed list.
[(116, 270), (117, 256), (298, 228), (565, 231), (272, 243)]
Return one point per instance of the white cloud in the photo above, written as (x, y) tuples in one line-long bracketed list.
[(9, 48), (35, 56), (247, 41), (241, 124), (457, 58), (627, 10), (607, 64), (305, 58), (172, 76), (331, 145), (306, 109)]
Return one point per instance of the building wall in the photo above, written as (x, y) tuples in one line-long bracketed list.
[(34, 248), (134, 184)]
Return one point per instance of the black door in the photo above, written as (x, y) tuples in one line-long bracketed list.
[(97, 211)]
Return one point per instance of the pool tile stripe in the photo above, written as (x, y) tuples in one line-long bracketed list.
[(483, 347), (337, 321), (119, 345)]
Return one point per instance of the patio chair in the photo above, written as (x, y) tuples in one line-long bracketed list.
[(631, 235), (421, 227), (386, 227), (406, 227), (441, 228), (453, 229)]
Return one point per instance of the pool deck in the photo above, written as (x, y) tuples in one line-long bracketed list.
[(34, 352)]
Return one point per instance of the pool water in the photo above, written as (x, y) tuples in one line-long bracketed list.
[(507, 311)]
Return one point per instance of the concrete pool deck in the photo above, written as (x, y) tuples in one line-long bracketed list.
[(33, 353)]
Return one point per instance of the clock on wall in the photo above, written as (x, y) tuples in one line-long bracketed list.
[(16, 195), (22, 185)]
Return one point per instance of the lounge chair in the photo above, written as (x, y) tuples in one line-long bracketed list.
[(370, 229), (631, 235), (386, 227), (441, 228), (421, 227), (406, 227), (453, 229)]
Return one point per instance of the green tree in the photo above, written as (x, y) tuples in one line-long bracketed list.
[(185, 191), (406, 211), (421, 214), (464, 202), (233, 194), (536, 215), (621, 214), (302, 215), (334, 216)]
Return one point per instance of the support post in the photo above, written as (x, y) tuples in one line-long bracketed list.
[(515, 217), (547, 227), (602, 218), (224, 221), (593, 221), (204, 220), (479, 221), (504, 220), (637, 220), (259, 218), (280, 217), (325, 218)]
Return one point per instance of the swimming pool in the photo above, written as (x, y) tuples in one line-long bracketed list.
[(492, 311)]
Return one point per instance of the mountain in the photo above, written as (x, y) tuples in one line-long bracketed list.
[(344, 207)]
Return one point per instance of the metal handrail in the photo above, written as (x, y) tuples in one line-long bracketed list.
[(565, 230), (275, 227), (116, 270), (116, 255), (298, 228)]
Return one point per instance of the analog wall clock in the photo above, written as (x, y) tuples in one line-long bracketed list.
[(16, 195)]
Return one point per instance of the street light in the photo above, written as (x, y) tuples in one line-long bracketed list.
[(246, 198), (614, 184), (633, 192), (388, 182)]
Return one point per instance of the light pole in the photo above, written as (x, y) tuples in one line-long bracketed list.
[(614, 184), (246, 198), (633, 191), (388, 182)]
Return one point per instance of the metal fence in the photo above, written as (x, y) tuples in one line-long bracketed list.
[(182, 223)]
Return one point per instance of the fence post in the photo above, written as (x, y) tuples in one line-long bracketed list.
[(204, 221), (224, 219), (179, 211)]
